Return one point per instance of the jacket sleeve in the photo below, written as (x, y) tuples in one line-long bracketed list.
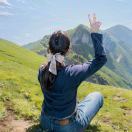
[(80, 72)]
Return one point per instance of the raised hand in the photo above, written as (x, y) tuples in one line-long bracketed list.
[(94, 24)]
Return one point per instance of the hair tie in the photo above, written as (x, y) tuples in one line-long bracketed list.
[(53, 58)]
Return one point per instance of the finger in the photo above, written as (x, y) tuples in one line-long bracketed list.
[(94, 17), (89, 17)]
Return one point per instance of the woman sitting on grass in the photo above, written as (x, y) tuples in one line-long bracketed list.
[(59, 84)]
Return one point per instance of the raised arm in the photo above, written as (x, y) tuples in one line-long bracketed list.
[(81, 71)]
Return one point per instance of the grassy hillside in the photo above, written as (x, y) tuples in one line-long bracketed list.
[(20, 92), (18, 78)]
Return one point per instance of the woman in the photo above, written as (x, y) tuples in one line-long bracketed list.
[(59, 83)]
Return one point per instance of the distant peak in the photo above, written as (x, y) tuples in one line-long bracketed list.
[(81, 26), (118, 27)]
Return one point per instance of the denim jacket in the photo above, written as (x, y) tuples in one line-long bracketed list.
[(60, 102)]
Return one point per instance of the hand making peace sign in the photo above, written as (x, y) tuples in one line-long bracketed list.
[(94, 24)]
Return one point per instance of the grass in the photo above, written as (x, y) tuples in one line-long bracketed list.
[(18, 79), (19, 87), (116, 114)]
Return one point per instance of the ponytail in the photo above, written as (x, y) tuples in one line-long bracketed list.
[(47, 77)]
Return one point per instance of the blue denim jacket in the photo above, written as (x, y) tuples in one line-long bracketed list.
[(60, 102)]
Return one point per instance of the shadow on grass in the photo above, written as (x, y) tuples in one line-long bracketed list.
[(93, 128), (37, 128), (34, 128)]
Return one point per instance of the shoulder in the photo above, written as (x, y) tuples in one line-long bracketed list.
[(70, 69), (76, 69), (73, 67)]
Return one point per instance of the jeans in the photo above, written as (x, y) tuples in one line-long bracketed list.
[(86, 110)]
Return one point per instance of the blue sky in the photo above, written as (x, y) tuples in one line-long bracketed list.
[(24, 21)]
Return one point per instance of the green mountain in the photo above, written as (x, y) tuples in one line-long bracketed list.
[(20, 93), (122, 34), (118, 70), (119, 57)]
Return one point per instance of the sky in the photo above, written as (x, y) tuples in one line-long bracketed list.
[(25, 21)]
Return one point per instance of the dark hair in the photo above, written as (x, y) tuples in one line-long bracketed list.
[(58, 42)]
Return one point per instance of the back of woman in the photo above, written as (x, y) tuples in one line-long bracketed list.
[(59, 83)]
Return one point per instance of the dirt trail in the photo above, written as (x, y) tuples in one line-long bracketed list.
[(10, 124)]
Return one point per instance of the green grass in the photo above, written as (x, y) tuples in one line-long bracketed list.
[(18, 79), (116, 114), (19, 87)]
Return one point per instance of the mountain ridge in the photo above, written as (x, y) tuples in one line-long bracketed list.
[(118, 56)]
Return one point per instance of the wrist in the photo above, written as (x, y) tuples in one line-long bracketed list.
[(95, 31)]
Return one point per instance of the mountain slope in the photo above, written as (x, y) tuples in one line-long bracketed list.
[(21, 93), (121, 33), (18, 79)]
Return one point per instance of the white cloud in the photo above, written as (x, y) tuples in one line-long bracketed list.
[(4, 2), (6, 14)]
